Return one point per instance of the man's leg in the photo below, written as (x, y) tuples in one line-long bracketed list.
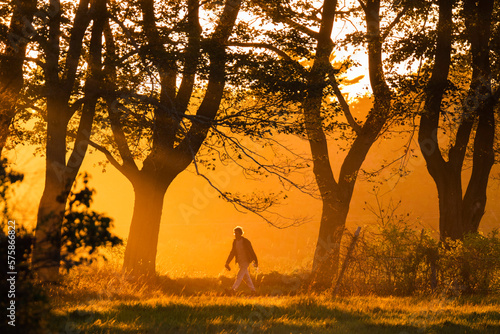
[(241, 274), (248, 280)]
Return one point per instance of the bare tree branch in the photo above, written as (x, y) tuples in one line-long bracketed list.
[(109, 156), (343, 103)]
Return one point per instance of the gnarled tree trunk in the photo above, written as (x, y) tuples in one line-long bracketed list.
[(337, 195), (59, 173), (460, 213), (140, 254)]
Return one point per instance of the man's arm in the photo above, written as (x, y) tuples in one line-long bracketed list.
[(253, 256), (230, 257)]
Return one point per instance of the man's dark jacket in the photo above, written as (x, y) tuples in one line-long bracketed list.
[(248, 248)]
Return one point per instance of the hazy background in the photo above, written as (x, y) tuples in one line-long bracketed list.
[(196, 230)]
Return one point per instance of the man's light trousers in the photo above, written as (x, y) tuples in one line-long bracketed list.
[(243, 275)]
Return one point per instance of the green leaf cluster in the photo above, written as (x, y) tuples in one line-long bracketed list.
[(84, 230)]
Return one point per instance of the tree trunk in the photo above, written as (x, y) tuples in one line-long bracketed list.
[(169, 156), (460, 213), (449, 187), (332, 218), (483, 158), (59, 174), (327, 253), (47, 245), (336, 196), (140, 252)]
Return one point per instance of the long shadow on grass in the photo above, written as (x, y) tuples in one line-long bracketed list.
[(228, 315)]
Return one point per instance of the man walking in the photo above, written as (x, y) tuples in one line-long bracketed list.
[(243, 252)]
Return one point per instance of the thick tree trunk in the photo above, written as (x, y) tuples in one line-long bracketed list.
[(46, 249), (327, 253), (483, 159), (140, 252), (460, 213), (336, 196), (59, 174), (450, 204), (332, 221)]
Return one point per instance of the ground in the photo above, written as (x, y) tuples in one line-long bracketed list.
[(103, 301)]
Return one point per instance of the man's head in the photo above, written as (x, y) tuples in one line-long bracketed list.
[(238, 232)]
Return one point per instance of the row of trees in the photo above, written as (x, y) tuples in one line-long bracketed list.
[(153, 84)]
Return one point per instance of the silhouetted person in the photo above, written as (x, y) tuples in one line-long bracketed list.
[(243, 252)]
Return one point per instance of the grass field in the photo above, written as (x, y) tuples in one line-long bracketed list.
[(297, 314), (103, 301)]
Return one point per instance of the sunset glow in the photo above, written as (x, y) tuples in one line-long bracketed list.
[(250, 166)]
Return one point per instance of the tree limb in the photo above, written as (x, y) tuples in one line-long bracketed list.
[(343, 103), (109, 156), (112, 103), (429, 120), (267, 46), (395, 21), (82, 21), (279, 17), (119, 136), (363, 5), (311, 33), (216, 80)]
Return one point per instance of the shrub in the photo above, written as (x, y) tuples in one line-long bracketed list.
[(394, 259), (471, 265), (31, 304), (391, 259), (84, 230)]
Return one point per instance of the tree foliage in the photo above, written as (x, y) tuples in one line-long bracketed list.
[(84, 231)]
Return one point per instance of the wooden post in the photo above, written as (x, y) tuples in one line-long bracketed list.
[(346, 261)]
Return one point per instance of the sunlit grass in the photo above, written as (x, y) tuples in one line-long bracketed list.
[(102, 300)]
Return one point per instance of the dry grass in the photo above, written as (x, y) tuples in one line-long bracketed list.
[(102, 300)]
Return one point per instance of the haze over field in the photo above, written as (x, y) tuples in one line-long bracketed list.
[(196, 228)]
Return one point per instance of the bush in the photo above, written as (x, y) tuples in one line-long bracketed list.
[(84, 231), (471, 265), (395, 259), (391, 259), (31, 303)]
